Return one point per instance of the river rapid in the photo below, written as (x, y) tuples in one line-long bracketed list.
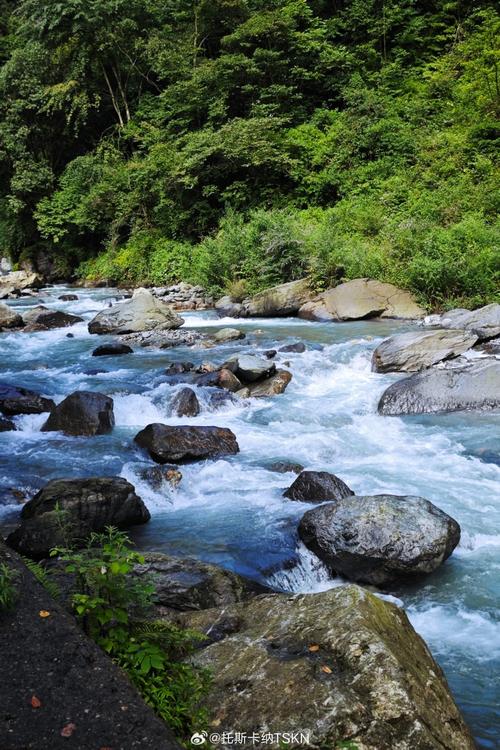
[(231, 511)]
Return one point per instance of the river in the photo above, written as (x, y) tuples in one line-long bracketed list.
[(232, 512)]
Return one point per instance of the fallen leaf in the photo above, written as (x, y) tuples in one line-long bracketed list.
[(68, 730), (326, 669), (44, 613), (35, 702), (314, 647)]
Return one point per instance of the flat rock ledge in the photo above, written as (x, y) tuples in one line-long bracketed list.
[(78, 686), (340, 666)]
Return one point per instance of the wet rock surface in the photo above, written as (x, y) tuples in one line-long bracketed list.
[(9, 318), (341, 665), (165, 443), (15, 400), (185, 403), (316, 487), (82, 413), (66, 511), (44, 319), (113, 349), (381, 538)]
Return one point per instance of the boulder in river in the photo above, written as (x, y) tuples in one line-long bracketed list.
[(272, 386), (474, 385), (41, 318), (159, 476), (185, 403), (285, 467), (360, 299), (342, 666), (381, 538), (297, 348), (228, 334), (316, 487), (66, 511), (15, 400), (21, 280), (68, 297), (249, 368), (82, 413), (413, 351), (114, 349), (279, 301), (143, 312), (166, 443), (9, 318), (6, 425), (187, 584), (484, 322)]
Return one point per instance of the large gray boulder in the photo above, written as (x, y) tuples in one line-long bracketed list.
[(20, 280), (82, 413), (67, 511), (9, 318), (166, 444), (228, 334), (282, 300), (474, 385), (188, 584), (362, 298), (342, 666), (484, 322), (380, 539), (272, 386), (410, 352), (15, 400), (143, 312), (316, 487), (279, 301)]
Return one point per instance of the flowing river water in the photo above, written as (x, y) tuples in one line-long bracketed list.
[(231, 511)]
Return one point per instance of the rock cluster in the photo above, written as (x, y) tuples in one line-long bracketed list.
[(143, 312), (184, 296)]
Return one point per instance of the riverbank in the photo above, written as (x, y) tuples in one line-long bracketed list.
[(231, 511)]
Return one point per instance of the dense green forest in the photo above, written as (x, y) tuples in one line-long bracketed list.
[(238, 143)]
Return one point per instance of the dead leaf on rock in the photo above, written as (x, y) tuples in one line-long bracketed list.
[(68, 730), (44, 613), (35, 702), (326, 669), (314, 647)]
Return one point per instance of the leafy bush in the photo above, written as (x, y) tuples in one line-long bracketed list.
[(111, 603)]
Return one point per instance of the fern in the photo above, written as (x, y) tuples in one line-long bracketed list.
[(8, 591), (43, 577)]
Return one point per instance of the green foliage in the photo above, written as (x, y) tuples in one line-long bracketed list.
[(111, 603), (43, 577), (8, 592), (224, 141)]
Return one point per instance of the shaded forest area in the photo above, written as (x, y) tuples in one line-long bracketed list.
[(241, 143)]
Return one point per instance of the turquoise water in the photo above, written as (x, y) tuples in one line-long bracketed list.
[(232, 511)]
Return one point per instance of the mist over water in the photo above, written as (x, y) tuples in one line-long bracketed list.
[(232, 512)]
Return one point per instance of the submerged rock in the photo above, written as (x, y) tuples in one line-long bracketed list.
[(342, 665), (360, 299), (68, 297), (82, 413), (297, 348), (285, 467), (43, 319), (9, 318), (14, 400), (113, 349), (316, 487), (157, 476), (143, 312), (188, 584), (166, 443), (484, 322), (66, 511), (185, 403), (410, 352), (380, 539), (475, 385), (6, 425)]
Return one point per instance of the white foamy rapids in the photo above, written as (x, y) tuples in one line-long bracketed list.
[(475, 634), (306, 576)]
